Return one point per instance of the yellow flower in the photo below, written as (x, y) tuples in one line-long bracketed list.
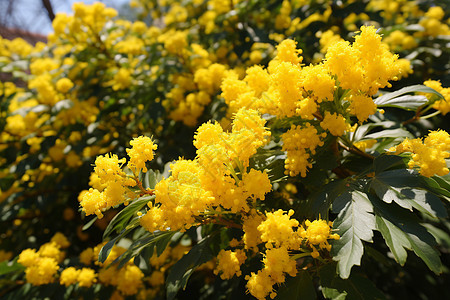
[(277, 262), (69, 276), (86, 277), (86, 256), (260, 285), (93, 202), (277, 230), (140, 153), (334, 123), (129, 280), (318, 232), (28, 257), (229, 263), (43, 272), (287, 52), (63, 85), (429, 155), (122, 79)]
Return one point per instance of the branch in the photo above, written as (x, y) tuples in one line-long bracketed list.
[(48, 6)]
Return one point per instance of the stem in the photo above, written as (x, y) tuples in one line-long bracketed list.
[(431, 115), (356, 151), (221, 221), (141, 187), (300, 255), (318, 116), (419, 113)]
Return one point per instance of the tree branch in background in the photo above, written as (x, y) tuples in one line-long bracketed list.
[(48, 6)]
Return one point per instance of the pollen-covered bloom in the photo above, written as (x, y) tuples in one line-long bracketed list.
[(260, 285), (299, 142), (317, 233), (334, 123), (229, 263), (429, 155), (140, 153), (86, 277), (69, 276), (278, 229), (277, 262), (443, 105)]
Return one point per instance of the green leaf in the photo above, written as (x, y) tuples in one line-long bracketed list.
[(90, 223), (440, 186), (300, 287), (389, 133), (355, 223), (120, 221), (9, 267), (406, 102), (147, 243), (356, 287), (395, 239), (390, 186), (401, 230), (319, 202), (386, 161), (181, 271), (150, 179), (104, 252), (441, 236)]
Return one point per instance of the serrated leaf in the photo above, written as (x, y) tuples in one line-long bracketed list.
[(355, 223), (120, 221), (385, 161), (406, 102), (300, 287), (401, 229), (181, 271), (319, 202), (389, 187), (356, 287), (439, 185), (395, 239)]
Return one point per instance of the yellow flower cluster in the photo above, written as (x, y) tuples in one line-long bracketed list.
[(128, 280), (428, 154), (85, 277), (229, 263), (282, 234), (431, 22), (210, 181), (287, 89), (84, 25), (443, 105), (399, 40), (299, 143), (192, 92), (140, 153), (42, 265), (112, 181), (317, 233)]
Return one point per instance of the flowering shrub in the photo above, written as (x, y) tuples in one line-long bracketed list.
[(231, 148)]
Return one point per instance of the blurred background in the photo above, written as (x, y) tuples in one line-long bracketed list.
[(32, 19)]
